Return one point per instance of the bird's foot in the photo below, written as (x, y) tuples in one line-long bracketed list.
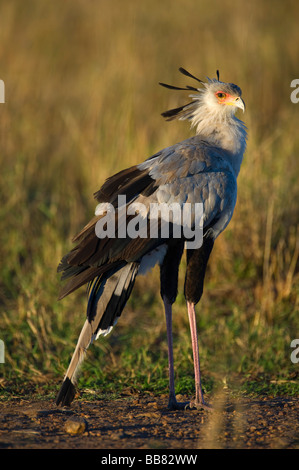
[(198, 405), (177, 406), (173, 404)]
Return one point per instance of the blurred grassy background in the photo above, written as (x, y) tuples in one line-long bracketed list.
[(82, 102)]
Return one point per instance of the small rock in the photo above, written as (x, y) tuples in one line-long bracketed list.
[(179, 397), (115, 436), (75, 425)]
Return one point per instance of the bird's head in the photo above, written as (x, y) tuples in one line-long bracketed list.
[(223, 97), (220, 98)]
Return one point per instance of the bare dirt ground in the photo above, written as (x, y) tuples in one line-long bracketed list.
[(143, 422)]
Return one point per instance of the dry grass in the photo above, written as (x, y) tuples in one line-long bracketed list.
[(82, 101)]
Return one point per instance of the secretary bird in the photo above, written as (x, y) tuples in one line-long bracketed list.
[(202, 169)]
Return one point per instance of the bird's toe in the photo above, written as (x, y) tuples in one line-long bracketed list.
[(198, 405)]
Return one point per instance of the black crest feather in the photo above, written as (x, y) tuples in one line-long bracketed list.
[(172, 87), (172, 113), (188, 74), (185, 109)]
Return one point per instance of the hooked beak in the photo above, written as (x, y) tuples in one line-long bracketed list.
[(239, 103)]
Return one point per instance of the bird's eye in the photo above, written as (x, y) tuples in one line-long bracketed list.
[(220, 95)]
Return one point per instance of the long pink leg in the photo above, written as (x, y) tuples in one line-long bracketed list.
[(199, 400), (172, 404)]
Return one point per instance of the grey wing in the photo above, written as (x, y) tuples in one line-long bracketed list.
[(195, 172)]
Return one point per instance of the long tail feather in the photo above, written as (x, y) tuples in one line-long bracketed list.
[(107, 300), (68, 390)]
